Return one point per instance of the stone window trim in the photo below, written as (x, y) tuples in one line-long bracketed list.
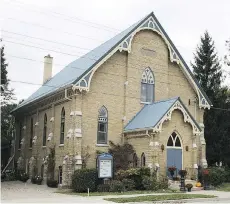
[(43, 147), (147, 86), (102, 131), (62, 127), (61, 145), (102, 145)]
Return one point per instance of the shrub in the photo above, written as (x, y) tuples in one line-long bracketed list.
[(24, 177), (39, 180), (103, 188), (83, 179), (128, 184), (150, 183), (52, 183), (135, 174), (163, 183), (33, 180), (116, 186), (216, 176)]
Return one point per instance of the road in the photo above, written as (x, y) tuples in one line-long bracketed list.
[(18, 192)]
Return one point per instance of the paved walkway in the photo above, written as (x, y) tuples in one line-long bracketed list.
[(18, 192)]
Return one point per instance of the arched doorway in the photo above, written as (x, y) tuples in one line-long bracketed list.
[(174, 153)]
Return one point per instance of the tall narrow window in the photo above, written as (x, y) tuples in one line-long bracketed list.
[(143, 160), (44, 130), (31, 131), (42, 170), (60, 175), (102, 133), (147, 86), (62, 133), (20, 136), (134, 160)]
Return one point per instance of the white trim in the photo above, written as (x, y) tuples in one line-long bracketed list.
[(102, 145), (177, 106), (61, 145)]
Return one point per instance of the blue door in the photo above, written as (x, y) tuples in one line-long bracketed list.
[(174, 158)]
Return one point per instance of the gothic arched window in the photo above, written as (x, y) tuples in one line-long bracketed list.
[(102, 132), (143, 159), (147, 86), (44, 130), (62, 131), (174, 140)]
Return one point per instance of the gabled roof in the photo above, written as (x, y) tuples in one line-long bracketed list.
[(80, 71), (152, 116)]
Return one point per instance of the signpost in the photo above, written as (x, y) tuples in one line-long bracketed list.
[(105, 166)]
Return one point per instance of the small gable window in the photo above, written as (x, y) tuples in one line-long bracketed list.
[(62, 133), (44, 130), (147, 86), (102, 133), (143, 159)]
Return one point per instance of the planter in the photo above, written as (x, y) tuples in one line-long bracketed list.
[(189, 189)]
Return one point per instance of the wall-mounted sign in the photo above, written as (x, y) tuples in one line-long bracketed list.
[(105, 166)]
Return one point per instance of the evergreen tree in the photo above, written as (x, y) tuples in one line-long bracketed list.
[(6, 93), (207, 71)]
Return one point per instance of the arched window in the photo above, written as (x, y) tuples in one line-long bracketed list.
[(44, 130), (60, 174), (174, 140), (143, 159), (134, 160), (102, 133), (62, 133), (31, 131), (147, 86)]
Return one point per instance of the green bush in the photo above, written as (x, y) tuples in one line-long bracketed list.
[(103, 188), (83, 179), (135, 174), (217, 176), (128, 184), (163, 183), (52, 183), (116, 186), (150, 183)]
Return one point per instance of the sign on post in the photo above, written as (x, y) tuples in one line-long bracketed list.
[(105, 165)]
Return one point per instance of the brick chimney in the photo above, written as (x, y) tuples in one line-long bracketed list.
[(48, 64)]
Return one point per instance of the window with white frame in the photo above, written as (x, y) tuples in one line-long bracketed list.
[(174, 140), (102, 133), (147, 86)]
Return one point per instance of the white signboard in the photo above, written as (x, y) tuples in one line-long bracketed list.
[(105, 170)]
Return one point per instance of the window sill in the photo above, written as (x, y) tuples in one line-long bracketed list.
[(19, 149), (61, 145), (102, 145), (30, 148), (43, 147)]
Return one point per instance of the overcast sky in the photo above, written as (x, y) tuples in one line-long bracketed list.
[(86, 24)]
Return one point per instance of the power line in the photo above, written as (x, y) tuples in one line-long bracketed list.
[(70, 18), (45, 40)]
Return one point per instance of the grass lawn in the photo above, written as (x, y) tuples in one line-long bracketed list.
[(116, 193), (224, 187), (158, 198)]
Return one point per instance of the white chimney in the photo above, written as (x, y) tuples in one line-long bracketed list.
[(48, 63)]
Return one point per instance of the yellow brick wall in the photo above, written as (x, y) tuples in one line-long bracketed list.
[(108, 89)]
